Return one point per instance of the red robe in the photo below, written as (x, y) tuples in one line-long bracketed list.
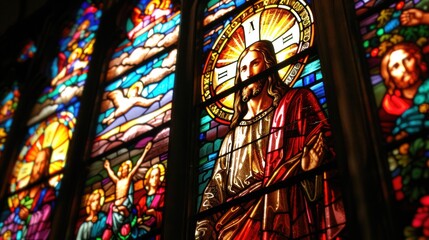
[(291, 212), (157, 204), (392, 107), (298, 120)]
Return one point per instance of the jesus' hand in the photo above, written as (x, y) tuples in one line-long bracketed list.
[(413, 17), (313, 152)]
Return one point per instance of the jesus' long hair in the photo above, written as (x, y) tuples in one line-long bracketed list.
[(275, 89)]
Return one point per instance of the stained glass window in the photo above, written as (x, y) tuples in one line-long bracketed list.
[(126, 183), (140, 76), (138, 173), (9, 103), (264, 109), (395, 41), (36, 177), (70, 67), (38, 169)]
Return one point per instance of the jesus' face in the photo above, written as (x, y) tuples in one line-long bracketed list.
[(404, 69), (39, 166), (251, 64)]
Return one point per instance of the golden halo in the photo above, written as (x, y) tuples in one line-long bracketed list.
[(54, 134), (289, 26)]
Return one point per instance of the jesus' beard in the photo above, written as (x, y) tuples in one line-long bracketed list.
[(249, 91)]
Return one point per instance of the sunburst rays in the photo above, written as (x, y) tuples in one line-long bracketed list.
[(233, 48), (275, 22)]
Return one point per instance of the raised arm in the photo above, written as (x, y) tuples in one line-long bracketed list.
[(139, 162), (110, 172), (146, 102)]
